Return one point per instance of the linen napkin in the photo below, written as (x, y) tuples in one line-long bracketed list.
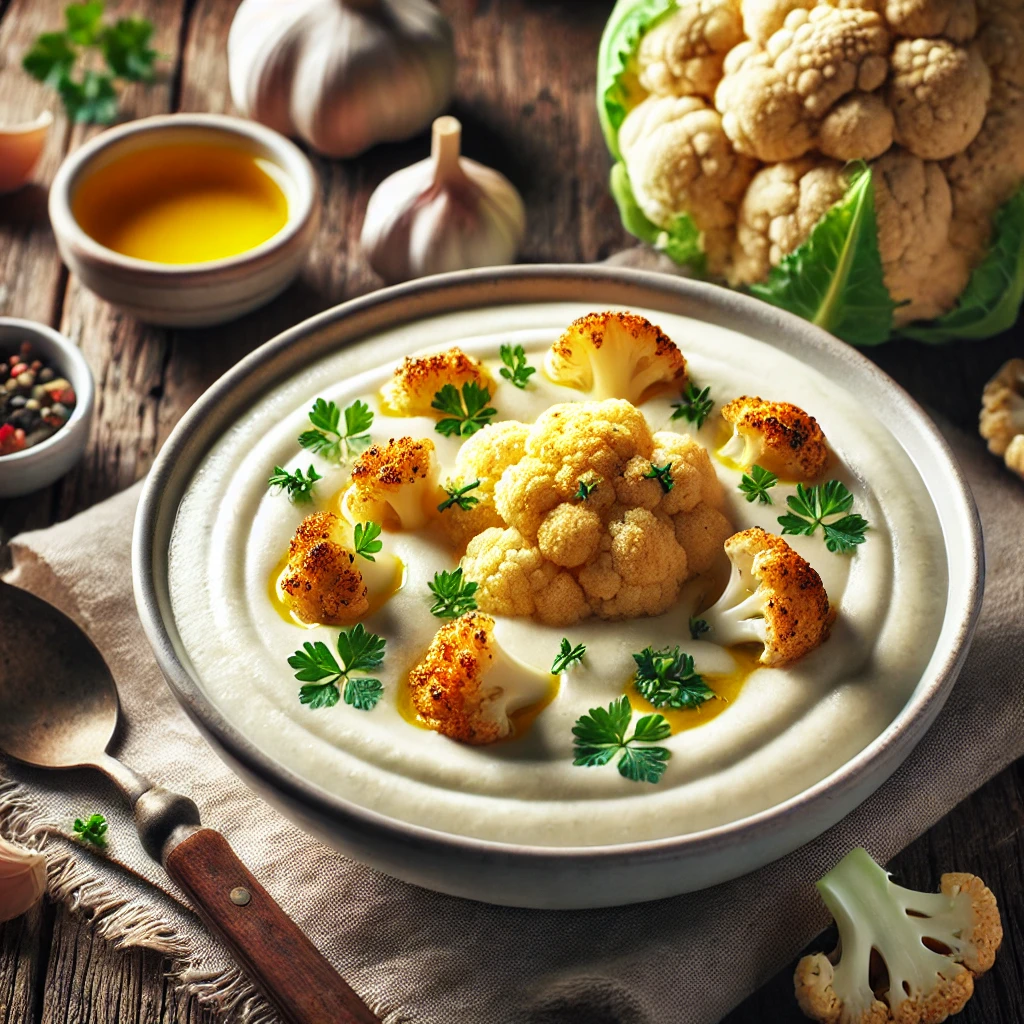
[(423, 958)]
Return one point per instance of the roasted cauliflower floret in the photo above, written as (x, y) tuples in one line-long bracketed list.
[(415, 382), (773, 598), (321, 583), (395, 485), (1002, 415), (615, 355), (933, 946), (466, 686), (778, 436), (701, 533)]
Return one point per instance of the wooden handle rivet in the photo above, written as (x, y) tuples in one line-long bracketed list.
[(240, 897)]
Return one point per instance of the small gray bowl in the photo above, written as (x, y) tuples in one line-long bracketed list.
[(36, 467)]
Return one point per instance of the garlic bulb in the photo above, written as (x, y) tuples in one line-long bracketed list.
[(21, 145), (444, 213), (22, 879), (341, 74)]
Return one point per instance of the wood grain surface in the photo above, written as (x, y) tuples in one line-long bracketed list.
[(525, 96)]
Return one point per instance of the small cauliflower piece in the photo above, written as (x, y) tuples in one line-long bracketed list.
[(778, 436), (1001, 422), (321, 583), (415, 382), (773, 597), (933, 946), (615, 355), (859, 127), (953, 19), (763, 18), (466, 686), (395, 485)]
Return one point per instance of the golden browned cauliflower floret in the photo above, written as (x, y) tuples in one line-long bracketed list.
[(774, 98), (415, 382), (701, 533), (773, 597), (1002, 415), (395, 485), (679, 158), (682, 54), (615, 355), (466, 686), (777, 436), (322, 583), (932, 945)]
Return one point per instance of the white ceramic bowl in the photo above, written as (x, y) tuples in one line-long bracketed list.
[(569, 876), (188, 294), (36, 467)]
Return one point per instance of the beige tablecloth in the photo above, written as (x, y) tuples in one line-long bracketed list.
[(416, 956)]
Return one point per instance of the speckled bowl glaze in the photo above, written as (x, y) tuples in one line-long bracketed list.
[(566, 876), (188, 294)]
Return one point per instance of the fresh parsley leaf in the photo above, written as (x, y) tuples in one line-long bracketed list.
[(92, 830), (299, 487), (567, 656), (756, 484), (83, 21), (126, 49), (360, 649), (328, 439), (600, 736), (363, 693), (460, 496), (667, 678), (811, 506), (663, 474), (366, 543), (91, 101), (453, 595), (516, 368), (698, 627), (585, 490), (319, 695), (314, 662), (326, 680), (51, 58), (466, 414), (694, 406)]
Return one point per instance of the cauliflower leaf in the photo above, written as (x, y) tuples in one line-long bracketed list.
[(835, 278)]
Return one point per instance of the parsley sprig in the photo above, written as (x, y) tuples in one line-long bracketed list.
[(454, 596), (516, 368), (366, 543), (585, 489), (90, 97), (663, 474), (667, 678), (329, 679), (811, 506), (466, 413), (328, 439), (698, 627), (600, 737), (567, 656), (756, 484), (92, 830), (460, 496), (299, 487), (694, 405)]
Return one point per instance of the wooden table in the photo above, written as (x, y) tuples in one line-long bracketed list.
[(525, 89)]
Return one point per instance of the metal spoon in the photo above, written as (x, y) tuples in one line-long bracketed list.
[(59, 709)]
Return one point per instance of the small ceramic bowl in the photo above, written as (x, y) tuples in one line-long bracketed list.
[(32, 469), (188, 294)]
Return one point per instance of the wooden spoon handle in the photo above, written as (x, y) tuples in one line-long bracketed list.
[(278, 958)]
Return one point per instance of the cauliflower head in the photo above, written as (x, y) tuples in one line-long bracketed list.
[(1001, 422), (615, 355), (933, 946), (777, 436), (773, 597), (416, 380), (395, 485), (467, 685)]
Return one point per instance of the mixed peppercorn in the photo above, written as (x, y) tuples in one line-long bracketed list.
[(34, 401)]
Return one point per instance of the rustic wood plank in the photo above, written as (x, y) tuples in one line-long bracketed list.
[(24, 948)]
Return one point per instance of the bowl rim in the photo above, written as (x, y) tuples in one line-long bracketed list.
[(420, 300), (84, 394), (293, 162)]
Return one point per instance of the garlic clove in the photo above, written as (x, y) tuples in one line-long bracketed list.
[(21, 146), (442, 214), (22, 879)]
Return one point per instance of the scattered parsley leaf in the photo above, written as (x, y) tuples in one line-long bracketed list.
[(585, 490), (327, 439), (458, 496), (314, 662), (600, 736), (360, 649), (91, 101), (698, 627), (453, 595), (126, 49), (466, 414), (366, 543), (663, 474), (756, 484), (319, 695), (693, 405), (516, 368), (299, 487), (567, 656), (92, 830), (811, 506), (51, 58), (315, 665), (362, 692), (667, 678), (83, 21)]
